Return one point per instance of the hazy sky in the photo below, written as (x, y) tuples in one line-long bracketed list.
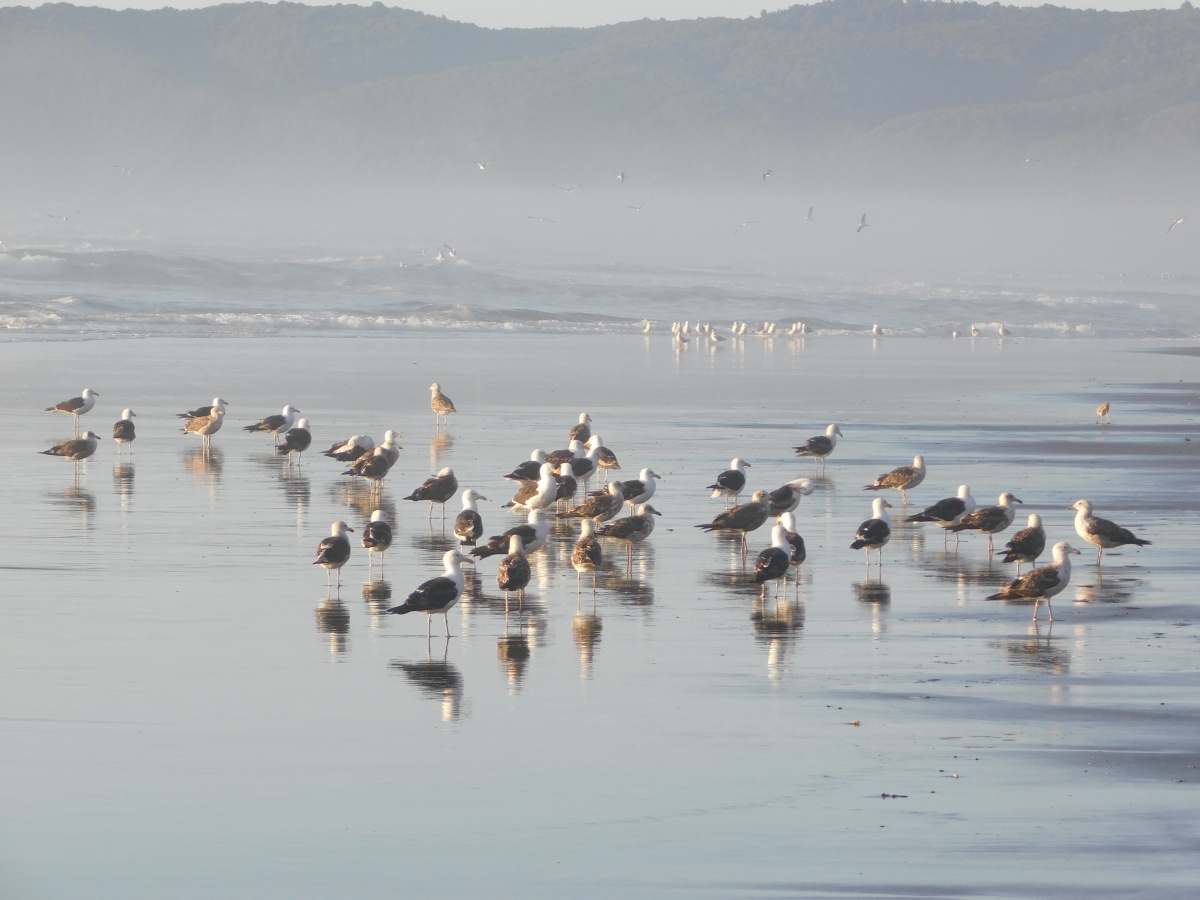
[(530, 13)]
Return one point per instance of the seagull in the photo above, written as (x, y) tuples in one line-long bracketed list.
[(441, 405), (437, 488), (451, 250), (514, 572), (374, 467), (575, 450), (568, 485), (276, 425), (532, 533), (649, 327), (76, 406), (295, 440), (975, 332), (352, 448), (641, 489), (586, 555), (746, 518), (468, 524), (902, 479), (377, 536), (76, 449), (65, 218), (876, 330), (787, 498), (774, 562), (1027, 544), (541, 219), (202, 411), (123, 169), (766, 174), (1101, 533), (990, 520), (631, 530), (206, 426), (1003, 332), (334, 551), (540, 494), (799, 553), (821, 446), (390, 448), (437, 595), (440, 256), (567, 190), (862, 223), (530, 470), (874, 533), (636, 208), (1102, 413), (1044, 583), (744, 224), (582, 431), (601, 506), (730, 482), (1178, 221), (123, 430), (948, 512), (809, 217), (483, 165), (621, 178), (1029, 159)]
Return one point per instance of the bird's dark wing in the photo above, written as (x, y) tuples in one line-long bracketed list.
[(634, 489), (587, 553), (67, 406), (526, 471), (199, 412), (513, 573), (377, 535), (1027, 544), (816, 446), (622, 529), (333, 550), (124, 430), (468, 526), (729, 480), (1031, 585), (1113, 532), (871, 532), (989, 518), (799, 553), (432, 596), (772, 563), (942, 511)]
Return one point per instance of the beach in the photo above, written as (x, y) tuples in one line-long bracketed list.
[(187, 712)]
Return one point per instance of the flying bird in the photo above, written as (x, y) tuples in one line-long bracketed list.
[(1178, 221), (65, 218), (809, 217), (567, 190), (862, 223), (123, 169), (539, 219), (766, 174), (483, 165), (743, 225), (621, 178), (636, 208)]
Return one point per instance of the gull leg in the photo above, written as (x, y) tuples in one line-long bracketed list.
[(446, 619), (990, 550), (1050, 609), (1036, 604), (428, 626), (578, 583), (593, 586)]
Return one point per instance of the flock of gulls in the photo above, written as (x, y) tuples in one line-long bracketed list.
[(684, 332), (557, 485)]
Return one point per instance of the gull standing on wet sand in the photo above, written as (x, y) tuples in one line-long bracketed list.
[(874, 533), (1102, 417), (773, 563), (743, 519), (275, 425), (206, 426), (437, 488), (605, 458), (601, 506), (514, 572), (540, 494), (123, 431), (730, 482), (532, 533), (1027, 544), (440, 404), (587, 555), (295, 440), (641, 489), (1044, 583), (76, 449), (631, 530), (989, 520), (821, 446), (948, 512), (377, 536), (437, 595), (902, 479), (334, 552), (76, 406), (583, 431), (787, 498), (468, 524), (799, 553), (1101, 533), (530, 470), (373, 467)]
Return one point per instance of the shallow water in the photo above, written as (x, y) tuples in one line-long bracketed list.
[(186, 712)]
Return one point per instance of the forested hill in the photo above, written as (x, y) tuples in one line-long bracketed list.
[(857, 89)]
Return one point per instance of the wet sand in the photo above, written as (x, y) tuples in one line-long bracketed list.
[(186, 712)]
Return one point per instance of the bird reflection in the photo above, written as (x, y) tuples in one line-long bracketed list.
[(777, 625), (439, 445), (75, 500), (123, 482), (1038, 651), (872, 592), (585, 631), (513, 652), (629, 590), (297, 489), (333, 619), (438, 679), (432, 544), (204, 465), (360, 496), (378, 595), (1107, 589)]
